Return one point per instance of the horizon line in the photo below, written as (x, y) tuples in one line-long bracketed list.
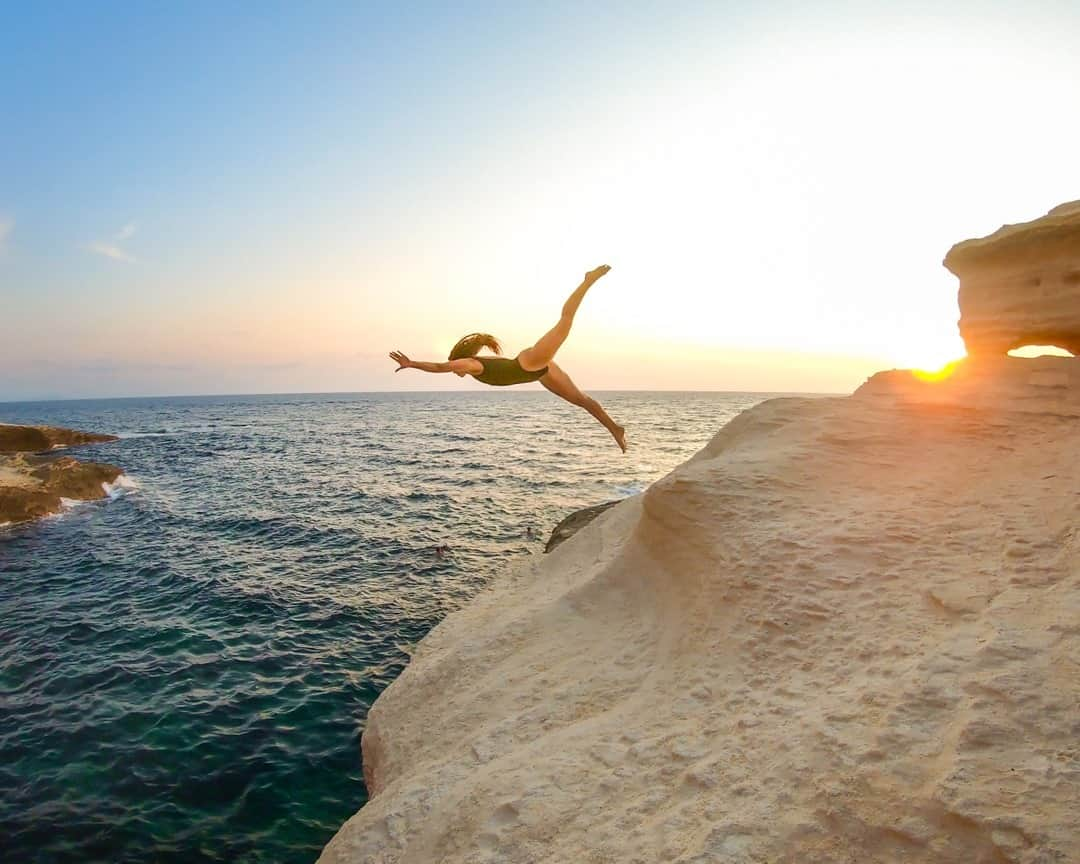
[(51, 399)]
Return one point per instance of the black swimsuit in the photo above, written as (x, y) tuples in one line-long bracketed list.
[(502, 372)]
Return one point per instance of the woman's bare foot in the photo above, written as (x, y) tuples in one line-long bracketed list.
[(593, 275), (619, 434)]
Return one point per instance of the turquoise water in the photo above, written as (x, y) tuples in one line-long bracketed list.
[(185, 669)]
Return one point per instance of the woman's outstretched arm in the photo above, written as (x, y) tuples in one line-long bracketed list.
[(464, 365), (405, 363)]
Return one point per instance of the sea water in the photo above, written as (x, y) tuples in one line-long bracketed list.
[(185, 667)]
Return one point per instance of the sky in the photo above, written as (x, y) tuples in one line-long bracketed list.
[(269, 197)]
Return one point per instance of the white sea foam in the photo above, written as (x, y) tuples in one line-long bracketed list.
[(59, 447), (122, 485)]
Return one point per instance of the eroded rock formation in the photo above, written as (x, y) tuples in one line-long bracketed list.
[(34, 482), (1021, 285)]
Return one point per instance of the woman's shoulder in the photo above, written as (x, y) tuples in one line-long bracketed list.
[(467, 365)]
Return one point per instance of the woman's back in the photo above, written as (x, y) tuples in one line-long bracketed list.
[(503, 372)]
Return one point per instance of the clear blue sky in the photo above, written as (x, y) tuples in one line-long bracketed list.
[(270, 197)]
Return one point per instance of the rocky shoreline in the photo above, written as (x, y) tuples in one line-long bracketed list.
[(35, 480)]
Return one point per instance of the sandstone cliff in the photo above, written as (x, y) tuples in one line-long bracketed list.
[(845, 631)]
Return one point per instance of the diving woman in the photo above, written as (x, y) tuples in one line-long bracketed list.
[(536, 363)]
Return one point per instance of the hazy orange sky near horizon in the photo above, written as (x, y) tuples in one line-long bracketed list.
[(774, 187)]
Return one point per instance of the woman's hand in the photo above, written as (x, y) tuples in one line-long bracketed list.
[(402, 361)]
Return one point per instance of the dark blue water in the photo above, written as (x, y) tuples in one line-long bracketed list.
[(185, 669)]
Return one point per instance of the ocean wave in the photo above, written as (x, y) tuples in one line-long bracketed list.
[(426, 496), (122, 485)]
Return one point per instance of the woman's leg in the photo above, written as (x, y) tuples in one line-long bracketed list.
[(543, 352), (559, 383)]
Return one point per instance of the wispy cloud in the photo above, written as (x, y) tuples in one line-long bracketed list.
[(7, 225), (111, 251), (112, 247)]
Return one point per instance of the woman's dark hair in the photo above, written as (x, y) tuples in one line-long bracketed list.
[(469, 346)]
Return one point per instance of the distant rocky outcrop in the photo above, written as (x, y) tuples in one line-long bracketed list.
[(1021, 285), (34, 439), (34, 481)]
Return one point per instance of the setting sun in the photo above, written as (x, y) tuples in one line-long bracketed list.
[(934, 375)]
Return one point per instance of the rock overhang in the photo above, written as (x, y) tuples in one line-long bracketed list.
[(1021, 285)]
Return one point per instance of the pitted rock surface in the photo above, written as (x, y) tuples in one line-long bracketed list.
[(1021, 285)]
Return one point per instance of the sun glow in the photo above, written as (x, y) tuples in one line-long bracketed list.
[(936, 375), (928, 351), (1040, 351)]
